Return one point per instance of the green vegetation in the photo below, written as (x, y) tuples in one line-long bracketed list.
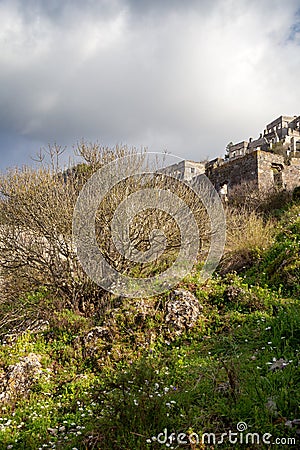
[(118, 377)]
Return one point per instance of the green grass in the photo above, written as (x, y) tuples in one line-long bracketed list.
[(279, 267), (122, 392), (171, 385)]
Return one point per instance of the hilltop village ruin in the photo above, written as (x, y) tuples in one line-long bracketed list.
[(271, 160)]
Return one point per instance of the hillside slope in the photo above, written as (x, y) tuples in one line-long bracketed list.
[(227, 363)]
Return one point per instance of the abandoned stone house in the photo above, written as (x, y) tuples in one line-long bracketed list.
[(282, 134), (271, 160), (185, 169)]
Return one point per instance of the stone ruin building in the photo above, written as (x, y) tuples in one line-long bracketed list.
[(185, 169), (271, 160)]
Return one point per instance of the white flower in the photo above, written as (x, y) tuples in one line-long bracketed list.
[(278, 364)]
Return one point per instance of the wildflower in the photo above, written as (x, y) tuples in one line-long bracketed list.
[(278, 364)]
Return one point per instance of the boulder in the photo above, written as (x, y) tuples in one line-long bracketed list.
[(182, 311), (17, 379)]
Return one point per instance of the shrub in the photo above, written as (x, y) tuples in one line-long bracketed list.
[(36, 213), (249, 234), (247, 196)]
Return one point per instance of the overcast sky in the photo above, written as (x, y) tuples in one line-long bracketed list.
[(186, 76)]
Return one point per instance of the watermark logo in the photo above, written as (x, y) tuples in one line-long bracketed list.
[(241, 426), (158, 198), (240, 436)]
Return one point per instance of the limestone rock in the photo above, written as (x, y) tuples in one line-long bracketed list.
[(34, 326), (97, 333), (182, 310), (17, 379), (88, 343)]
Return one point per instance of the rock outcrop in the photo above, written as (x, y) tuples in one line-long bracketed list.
[(17, 379), (182, 311)]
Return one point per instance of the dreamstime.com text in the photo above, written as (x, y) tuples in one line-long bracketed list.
[(241, 436)]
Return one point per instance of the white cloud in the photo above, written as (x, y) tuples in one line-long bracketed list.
[(145, 73)]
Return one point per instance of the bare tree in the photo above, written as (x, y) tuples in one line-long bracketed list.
[(36, 211)]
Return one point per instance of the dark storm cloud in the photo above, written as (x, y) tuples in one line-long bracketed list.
[(184, 76)]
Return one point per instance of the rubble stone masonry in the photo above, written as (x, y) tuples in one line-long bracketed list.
[(260, 168)]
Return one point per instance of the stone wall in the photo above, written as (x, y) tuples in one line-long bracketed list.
[(292, 177), (271, 169), (275, 170), (234, 172), (261, 169)]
